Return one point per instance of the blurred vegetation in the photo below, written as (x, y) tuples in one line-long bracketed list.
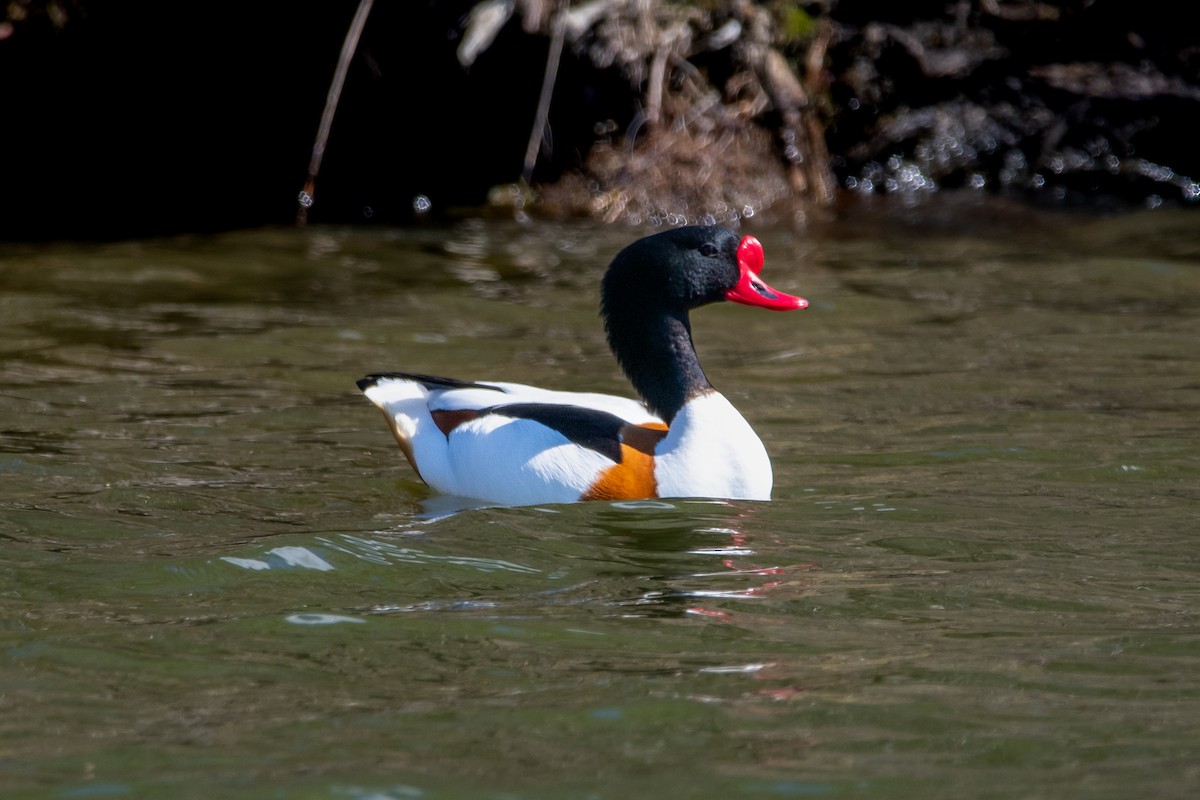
[(53, 13), (615, 109)]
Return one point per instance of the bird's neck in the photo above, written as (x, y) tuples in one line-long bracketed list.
[(658, 356)]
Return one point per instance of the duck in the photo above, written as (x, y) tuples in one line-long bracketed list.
[(512, 444)]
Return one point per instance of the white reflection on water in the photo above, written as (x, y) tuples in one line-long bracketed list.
[(321, 619), (283, 557)]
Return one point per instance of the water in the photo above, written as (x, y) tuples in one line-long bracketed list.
[(979, 577)]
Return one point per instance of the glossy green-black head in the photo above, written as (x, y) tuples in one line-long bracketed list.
[(652, 285), (683, 268)]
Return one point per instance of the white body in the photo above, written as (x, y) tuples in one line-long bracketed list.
[(710, 450)]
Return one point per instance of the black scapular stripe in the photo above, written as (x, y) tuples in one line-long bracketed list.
[(587, 427)]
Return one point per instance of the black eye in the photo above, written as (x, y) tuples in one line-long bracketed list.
[(708, 250)]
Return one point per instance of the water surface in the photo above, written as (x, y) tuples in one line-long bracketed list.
[(978, 577)]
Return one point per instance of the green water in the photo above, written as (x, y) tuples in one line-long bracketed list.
[(979, 578)]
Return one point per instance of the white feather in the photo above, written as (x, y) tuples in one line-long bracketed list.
[(711, 451), (461, 399), (493, 457)]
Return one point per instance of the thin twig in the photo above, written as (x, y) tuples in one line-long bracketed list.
[(557, 33), (331, 100)]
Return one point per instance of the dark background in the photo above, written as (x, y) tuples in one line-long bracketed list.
[(148, 118)]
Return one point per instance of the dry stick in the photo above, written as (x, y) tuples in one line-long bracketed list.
[(331, 100), (654, 94), (806, 154), (558, 30), (824, 181)]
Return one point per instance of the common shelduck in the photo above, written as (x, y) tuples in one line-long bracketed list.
[(513, 444)]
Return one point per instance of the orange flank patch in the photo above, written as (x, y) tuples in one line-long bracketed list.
[(449, 420), (633, 477)]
